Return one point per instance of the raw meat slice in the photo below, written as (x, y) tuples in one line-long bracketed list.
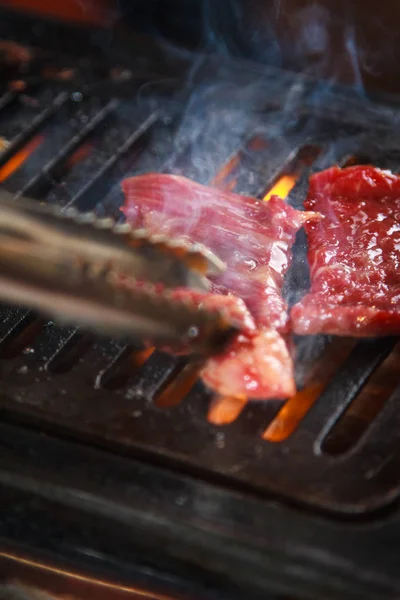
[(254, 239), (256, 364), (234, 307), (354, 254)]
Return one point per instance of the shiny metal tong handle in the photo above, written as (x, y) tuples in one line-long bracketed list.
[(107, 277), (133, 252)]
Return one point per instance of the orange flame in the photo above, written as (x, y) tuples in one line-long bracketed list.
[(282, 187), (19, 158), (293, 411), (173, 394), (141, 356), (226, 409)]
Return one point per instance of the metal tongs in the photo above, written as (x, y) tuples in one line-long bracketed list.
[(82, 270)]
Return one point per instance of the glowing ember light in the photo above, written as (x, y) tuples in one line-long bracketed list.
[(79, 154), (139, 358), (292, 413), (294, 410), (180, 386), (225, 410), (14, 53), (282, 187), (19, 158), (43, 569), (225, 179), (72, 10), (18, 85)]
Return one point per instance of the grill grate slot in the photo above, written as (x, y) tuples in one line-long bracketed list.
[(364, 409), (318, 379), (126, 364), (352, 376), (53, 170), (110, 173), (70, 353), (178, 385), (7, 99), (20, 336), (152, 375), (46, 345), (10, 317), (16, 318), (225, 410), (20, 140)]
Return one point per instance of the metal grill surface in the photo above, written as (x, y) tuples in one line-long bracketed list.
[(71, 146)]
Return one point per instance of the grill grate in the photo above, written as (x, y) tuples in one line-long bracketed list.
[(98, 390)]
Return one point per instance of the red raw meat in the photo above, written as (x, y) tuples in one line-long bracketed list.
[(254, 358), (254, 239), (354, 254)]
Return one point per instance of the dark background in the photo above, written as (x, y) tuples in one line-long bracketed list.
[(351, 41)]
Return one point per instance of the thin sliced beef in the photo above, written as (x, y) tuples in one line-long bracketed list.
[(251, 364), (254, 239), (354, 254)]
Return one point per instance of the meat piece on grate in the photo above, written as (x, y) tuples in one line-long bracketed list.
[(252, 362), (254, 239), (354, 254)]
